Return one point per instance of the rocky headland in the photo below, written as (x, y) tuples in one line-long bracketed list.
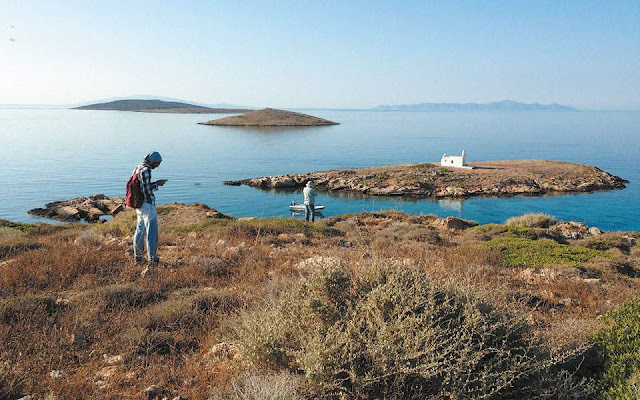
[(77, 320), (488, 178), (270, 117)]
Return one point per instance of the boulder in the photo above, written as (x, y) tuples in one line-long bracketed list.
[(113, 360), (570, 230), (222, 351), (454, 223), (595, 231), (103, 376), (317, 262), (57, 374), (283, 182), (153, 392), (68, 213), (94, 214), (78, 340)]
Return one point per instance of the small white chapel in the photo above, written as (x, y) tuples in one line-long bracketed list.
[(455, 161)]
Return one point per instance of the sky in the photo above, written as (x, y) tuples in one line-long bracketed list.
[(333, 54)]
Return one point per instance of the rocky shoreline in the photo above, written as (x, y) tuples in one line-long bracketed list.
[(488, 178), (89, 208)]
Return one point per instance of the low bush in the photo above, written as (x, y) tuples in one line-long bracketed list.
[(618, 347), (11, 387), (518, 252), (532, 221), (490, 231), (401, 232), (170, 326), (26, 307), (389, 332), (608, 241), (276, 226), (201, 226), (5, 223), (261, 386), (17, 247), (146, 342), (117, 297), (187, 312), (123, 224)]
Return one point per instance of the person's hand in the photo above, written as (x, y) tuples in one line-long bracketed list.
[(161, 182)]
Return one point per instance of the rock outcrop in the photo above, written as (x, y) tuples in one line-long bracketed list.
[(89, 208), (489, 178)]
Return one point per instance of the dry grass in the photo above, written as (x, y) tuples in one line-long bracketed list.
[(70, 294), (531, 221)]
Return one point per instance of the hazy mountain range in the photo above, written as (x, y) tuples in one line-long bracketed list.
[(504, 105)]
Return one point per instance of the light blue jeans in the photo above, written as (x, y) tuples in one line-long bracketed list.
[(309, 210), (147, 225)]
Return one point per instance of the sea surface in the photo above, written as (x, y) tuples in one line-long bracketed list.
[(55, 154)]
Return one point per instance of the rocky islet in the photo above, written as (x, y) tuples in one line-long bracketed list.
[(488, 178)]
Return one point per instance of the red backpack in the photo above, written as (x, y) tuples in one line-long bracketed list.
[(134, 197)]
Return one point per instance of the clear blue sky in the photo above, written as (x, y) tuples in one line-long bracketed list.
[(322, 53)]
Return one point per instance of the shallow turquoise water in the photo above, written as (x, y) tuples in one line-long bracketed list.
[(48, 155)]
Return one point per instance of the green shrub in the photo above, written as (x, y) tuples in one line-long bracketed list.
[(123, 224), (389, 332), (490, 231), (201, 226), (618, 347), (518, 252), (5, 223), (532, 221), (276, 226), (608, 241), (10, 228)]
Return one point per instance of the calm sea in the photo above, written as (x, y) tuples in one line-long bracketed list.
[(55, 154)]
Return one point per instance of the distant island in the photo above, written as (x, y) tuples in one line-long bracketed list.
[(487, 178), (158, 106), (505, 105), (270, 117)]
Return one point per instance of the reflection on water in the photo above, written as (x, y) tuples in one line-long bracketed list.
[(451, 204), (300, 214)]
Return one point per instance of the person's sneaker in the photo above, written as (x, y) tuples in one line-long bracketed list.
[(138, 260), (154, 261)]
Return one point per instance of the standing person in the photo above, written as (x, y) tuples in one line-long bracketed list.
[(309, 201), (147, 223)]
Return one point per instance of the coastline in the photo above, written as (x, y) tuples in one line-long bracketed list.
[(430, 180)]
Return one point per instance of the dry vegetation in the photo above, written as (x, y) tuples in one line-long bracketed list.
[(77, 321)]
